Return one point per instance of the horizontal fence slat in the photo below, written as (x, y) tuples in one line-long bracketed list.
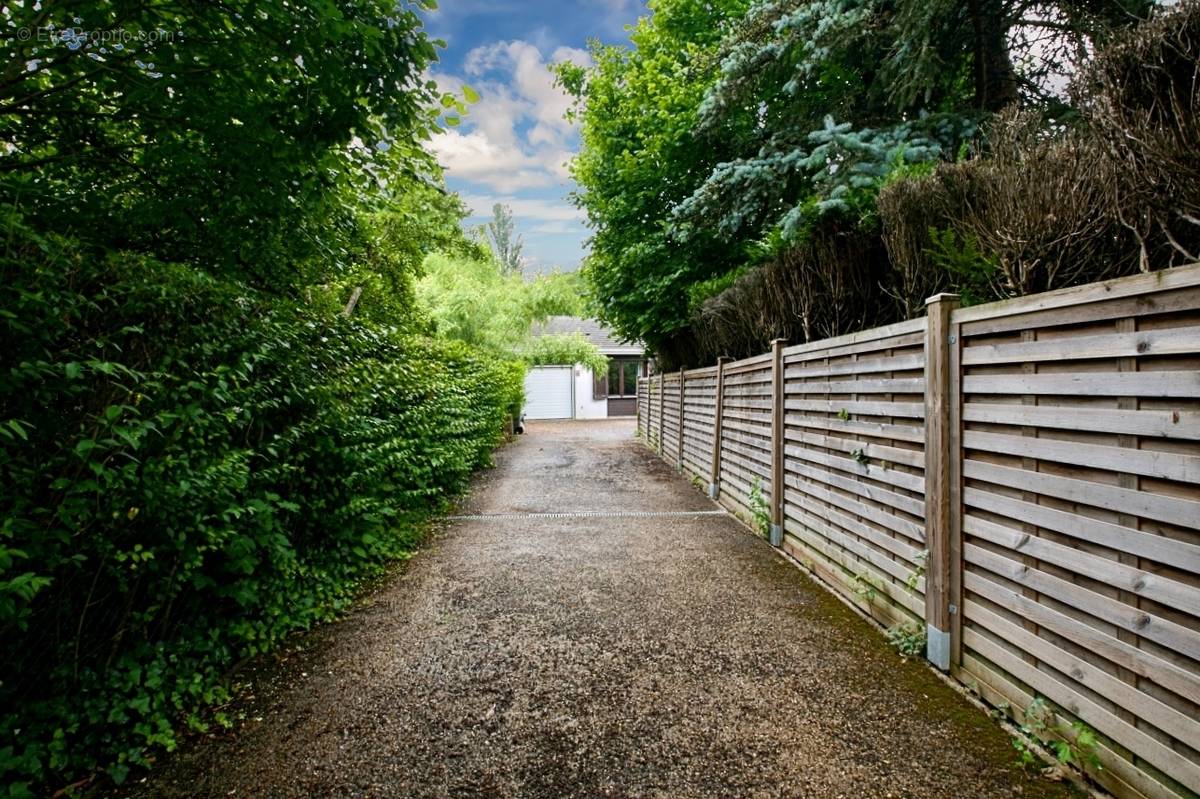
[(1166, 465), (871, 450), (1144, 664), (900, 432), (1161, 715), (874, 493), (1171, 635), (1118, 775), (805, 493), (1159, 424), (1110, 572), (1173, 341), (911, 410), (1106, 384), (849, 562), (884, 569), (1177, 553), (895, 477), (907, 385), (895, 363), (1098, 717), (1184, 512)]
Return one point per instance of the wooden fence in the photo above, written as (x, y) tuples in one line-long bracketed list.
[(1019, 481)]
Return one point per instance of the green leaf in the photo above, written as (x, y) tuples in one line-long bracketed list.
[(18, 428)]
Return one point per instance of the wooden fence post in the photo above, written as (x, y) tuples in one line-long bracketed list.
[(655, 380), (777, 442), (938, 458), (637, 406), (714, 483), (954, 380), (679, 453), (662, 420)]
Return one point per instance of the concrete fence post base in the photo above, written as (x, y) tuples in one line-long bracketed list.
[(937, 647)]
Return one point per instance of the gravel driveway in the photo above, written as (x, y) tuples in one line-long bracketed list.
[(624, 656)]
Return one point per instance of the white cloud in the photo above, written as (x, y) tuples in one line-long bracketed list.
[(525, 208), (499, 165), (558, 229), (516, 136)]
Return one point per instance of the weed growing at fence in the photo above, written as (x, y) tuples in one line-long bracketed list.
[(918, 571), (865, 588), (1041, 723), (760, 510), (908, 639)]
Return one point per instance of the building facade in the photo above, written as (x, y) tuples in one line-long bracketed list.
[(572, 391)]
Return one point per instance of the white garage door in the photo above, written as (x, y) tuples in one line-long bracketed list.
[(548, 392)]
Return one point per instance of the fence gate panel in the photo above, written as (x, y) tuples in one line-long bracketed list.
[(699, 404), (1080, 521), (854, 466), (745, 479)]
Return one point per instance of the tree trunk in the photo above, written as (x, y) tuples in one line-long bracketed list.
[(995, 78)]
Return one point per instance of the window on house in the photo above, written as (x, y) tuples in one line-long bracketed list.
[(599, 386), (623, 376)]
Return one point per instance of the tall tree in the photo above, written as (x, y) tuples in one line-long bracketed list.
[(641, 155), (244, 136), (506, 242)]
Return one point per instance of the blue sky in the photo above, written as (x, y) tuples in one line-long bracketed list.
[(514, 144)]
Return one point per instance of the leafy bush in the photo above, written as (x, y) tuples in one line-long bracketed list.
[(193, 470), (565, 348), (824, 287), (1029, 213), (961, 260), (247, 137), (1141, 97), (472, 300)]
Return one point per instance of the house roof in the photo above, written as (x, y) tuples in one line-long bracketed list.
[(604, 338)]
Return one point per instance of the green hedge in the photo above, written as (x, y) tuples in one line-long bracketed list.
[(190, 472)]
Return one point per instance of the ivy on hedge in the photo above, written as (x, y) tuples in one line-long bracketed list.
[(192, 471)]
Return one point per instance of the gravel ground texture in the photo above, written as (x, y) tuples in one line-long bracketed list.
[(667, 656)]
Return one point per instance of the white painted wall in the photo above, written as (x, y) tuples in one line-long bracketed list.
[(585, 406)]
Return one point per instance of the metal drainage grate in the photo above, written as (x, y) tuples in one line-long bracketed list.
[(590, 514)]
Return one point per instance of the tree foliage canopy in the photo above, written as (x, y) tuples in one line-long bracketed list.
[(479, 302), (639, 107), (247, 137), (729, 134), (506, 242)]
